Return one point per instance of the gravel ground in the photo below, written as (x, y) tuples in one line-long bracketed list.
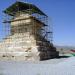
[(64, 66)]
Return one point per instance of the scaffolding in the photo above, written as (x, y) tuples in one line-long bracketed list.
[(19, 25), (34, 12)]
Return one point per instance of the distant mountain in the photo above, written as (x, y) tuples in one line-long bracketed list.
[(64, 47)]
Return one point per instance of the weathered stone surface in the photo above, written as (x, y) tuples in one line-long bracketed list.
[(24, 43)]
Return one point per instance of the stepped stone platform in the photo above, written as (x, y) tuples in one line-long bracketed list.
[(24, 47)]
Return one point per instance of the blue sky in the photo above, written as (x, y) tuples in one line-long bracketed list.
[(62, 14)]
